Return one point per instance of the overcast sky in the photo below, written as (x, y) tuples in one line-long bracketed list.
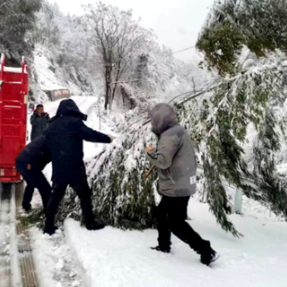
[(175, 22)]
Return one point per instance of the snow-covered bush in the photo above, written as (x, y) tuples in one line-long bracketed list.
[(122, 196)]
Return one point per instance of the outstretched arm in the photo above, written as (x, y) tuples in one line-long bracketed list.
[(91, 135)]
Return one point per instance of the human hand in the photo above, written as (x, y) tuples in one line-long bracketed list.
[(112, 139), (149, 149)]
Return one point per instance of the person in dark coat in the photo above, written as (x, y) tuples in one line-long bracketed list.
[(175, 161), (65, 137), (39, 121), (30, 163)]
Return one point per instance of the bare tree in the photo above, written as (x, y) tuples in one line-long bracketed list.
[(118, 39)]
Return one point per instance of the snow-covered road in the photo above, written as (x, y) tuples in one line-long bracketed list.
[(84, 103), (116, 258), (5, 250)]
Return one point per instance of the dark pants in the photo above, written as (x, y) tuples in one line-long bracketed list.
[(84, 193), (34, 179), (171, 216)]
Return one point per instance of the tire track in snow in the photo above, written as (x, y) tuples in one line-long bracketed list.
[(56, 262), (5, 260)]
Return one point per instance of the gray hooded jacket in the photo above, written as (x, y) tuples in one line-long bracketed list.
[(175, 156)]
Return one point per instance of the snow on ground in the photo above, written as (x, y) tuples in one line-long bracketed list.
[(5, 247), (84, 103), (54, 261), (254, 209), (116, 258)]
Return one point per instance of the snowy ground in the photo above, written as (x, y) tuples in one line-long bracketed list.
[(55, 264), (116, 258), (5, 249)]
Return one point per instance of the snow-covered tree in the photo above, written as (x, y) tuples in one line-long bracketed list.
[(241, 40), (17, 19), (258, 24), (47, 30), (117, 38), (64, 41)]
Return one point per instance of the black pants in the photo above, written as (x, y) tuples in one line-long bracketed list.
[(171, 216), (84, 193), (34, 179)]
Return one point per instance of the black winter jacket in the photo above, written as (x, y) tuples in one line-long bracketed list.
[(36, 153), (65, 137), (39, 124)]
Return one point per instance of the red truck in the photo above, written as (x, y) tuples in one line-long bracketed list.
[(13, 117)]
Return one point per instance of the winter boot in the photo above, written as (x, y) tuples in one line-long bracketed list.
[(50, 229), (27, 206), (95, 226), (209, 257), (164, 249)]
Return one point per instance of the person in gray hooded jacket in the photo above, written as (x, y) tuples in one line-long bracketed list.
[(175, 161)]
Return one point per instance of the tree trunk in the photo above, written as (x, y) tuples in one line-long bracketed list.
[(108, 87), (116, 84), (113, 94)]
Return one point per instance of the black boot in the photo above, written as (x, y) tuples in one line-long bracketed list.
[(50, 229), (164, 249), (26, 206), (209, 257), (95, 226)]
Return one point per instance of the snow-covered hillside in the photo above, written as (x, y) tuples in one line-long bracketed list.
[(47, 75)]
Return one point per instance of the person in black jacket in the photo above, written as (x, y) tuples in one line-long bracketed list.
[(39, 121), (30, 163), (65, 137)]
